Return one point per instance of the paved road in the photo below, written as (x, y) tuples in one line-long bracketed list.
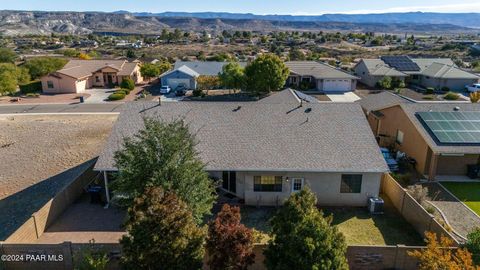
[(61, 108)]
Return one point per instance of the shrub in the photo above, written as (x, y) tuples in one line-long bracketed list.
[(429, 91), (127, 83), (451, 96), (445, 89), (91, 258), (197, 93), (429, 97), (127, 91), (430, 209), (116, 96), (32, 95), (385, 83), (474, 97), (31, 87), (473, 244), (419, 193), (402, 179)]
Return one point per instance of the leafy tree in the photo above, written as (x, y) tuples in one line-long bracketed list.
[(162, 233), (7, 55), (232, 76), (385, 83), (164, 66), (163, 154), (303, 238), (439, 255), (11, 76), (475, 97), (149, 70), (84, 56), (42, 66), (296, 55), (205, 82), (265, 74), (131, 54), (127, 83), (229, 243), (71, 53), (473, 244)]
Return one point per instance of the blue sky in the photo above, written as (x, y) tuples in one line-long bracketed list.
[(308, 7)]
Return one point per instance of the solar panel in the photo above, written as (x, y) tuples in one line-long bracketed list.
[(452, 128), (401, 63)]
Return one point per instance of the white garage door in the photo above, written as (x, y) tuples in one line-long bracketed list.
[(337, 85), (173, 83)]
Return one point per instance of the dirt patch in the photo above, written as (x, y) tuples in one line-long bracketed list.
[(44, 98), (34, 148)]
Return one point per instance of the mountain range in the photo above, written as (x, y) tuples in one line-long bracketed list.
[(43, 22)]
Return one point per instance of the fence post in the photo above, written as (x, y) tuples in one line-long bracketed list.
[(67, 255)]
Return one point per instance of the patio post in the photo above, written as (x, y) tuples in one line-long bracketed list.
[(433, 167), (107, 194)]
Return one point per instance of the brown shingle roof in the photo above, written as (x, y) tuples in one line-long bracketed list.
[(84, 68)]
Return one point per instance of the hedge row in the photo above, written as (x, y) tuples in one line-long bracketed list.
[(31, 87)]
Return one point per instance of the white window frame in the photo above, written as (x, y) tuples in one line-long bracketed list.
[(399, 137), (293, 183)]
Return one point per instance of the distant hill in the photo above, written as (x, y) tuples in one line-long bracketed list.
[(471, 20), (40, 22)]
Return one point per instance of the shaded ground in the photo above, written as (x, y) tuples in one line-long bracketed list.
[(39, 155), (357, 224), (467, 192), (458, 215), (84, 221)]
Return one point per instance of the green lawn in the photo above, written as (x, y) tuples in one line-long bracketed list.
[(358, 226), (467, 192)]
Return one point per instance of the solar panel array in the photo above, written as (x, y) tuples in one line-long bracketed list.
[(401, 63), (453, 127)]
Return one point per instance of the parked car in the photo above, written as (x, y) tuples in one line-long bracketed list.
[(473, 88), (181, 90), (391, 162), (165, 89)]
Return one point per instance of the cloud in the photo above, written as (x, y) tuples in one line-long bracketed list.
[(453, 8)]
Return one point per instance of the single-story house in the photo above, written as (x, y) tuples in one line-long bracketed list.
[(78, 75), (186, 72), (264, 151), (320, 76), (442, 137), (438, 73)]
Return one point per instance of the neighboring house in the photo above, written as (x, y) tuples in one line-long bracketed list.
[(264, 151), (320, 76), (78, 75), (186, 72), (442, 137), (426, 72)]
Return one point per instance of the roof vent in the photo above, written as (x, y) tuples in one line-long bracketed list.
[(456, 109), (237, 109), (308, 110)]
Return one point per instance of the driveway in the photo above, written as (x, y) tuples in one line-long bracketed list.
[(343, 97), (98, 95), (171, 97)]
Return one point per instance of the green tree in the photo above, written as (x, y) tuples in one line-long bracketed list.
[(163, 154), (232, 76), (149, 70), (296, 55), (162, 234), (385, 83), (42, 66), (164, 66), (127, 83), (11, 76), (304, 239), (131, 53), (473, 243), (71, 53), (7, 55), (229, 243), (265, 74)]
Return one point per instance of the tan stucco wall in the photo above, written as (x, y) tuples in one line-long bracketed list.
[(325, 185), (64, 84), (455, 165), (413, 143)]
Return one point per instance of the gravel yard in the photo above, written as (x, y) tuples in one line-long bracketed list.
[(37, 154)]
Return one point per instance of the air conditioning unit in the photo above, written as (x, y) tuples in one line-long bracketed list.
[(375, 205)]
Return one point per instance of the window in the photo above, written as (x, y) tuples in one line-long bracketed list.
[(297, 184), (49, 84), (229, 181), (351, 183), (97, 79), (294, 79), (267, 183), (306, 79), (399, 138)]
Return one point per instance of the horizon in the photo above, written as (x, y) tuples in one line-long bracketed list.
[(279, 7)]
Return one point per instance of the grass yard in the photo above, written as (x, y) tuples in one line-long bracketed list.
[(467, 192), (358, 226)]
